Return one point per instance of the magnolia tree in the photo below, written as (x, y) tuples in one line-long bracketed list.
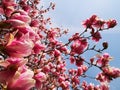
[(33, 58)]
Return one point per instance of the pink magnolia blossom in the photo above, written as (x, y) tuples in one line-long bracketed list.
[(23, 27), (112, 72), (111, 23), (99, 24), (78, 46), (35, 23), (103, 60), (40, 78), (79, 71), (61, 78), (65, 85), (75, 80), (8, 2), (84, 85), (46, 68), (22, 81), (20, 25), (104, 86), (94, 22), (38, 47), (24, 18), (9, 10), (72, 71), (19, 48), (9, 7), (89, 22), (26, 29), (10, 65), (72, 59), (57, 53), (24, 6), (96, 36), (79, 61), (75, 37), (103, 78), (91, 86), (61, 67)]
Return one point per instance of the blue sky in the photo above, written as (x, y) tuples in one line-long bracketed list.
[(70, 13)]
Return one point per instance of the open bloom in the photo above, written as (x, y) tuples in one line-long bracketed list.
[(19, 47), (99, 23), (20, 23), (78, 46), (22, 80), (112, 72), (10, 65), (89, 22), (103, 60)]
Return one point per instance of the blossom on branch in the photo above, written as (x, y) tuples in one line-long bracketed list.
[(32, 57)]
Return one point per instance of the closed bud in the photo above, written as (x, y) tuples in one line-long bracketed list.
[(105, 45)]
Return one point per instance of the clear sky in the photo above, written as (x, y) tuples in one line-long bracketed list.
[(70, 14)]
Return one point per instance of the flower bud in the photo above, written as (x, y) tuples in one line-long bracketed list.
[(105, 45)]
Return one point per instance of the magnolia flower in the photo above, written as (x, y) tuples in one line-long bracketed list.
[(65, 85), (9, 7), (103, 60), (111, 23), (99, 23), (19, 47), (101, 77), (24, 18), (26, 29), (89, 22), (22, 81), (40, 77), (20, 23), (10, 65), (35, 23), (112, 72), (96, 36), (38, 47), (79, 46)]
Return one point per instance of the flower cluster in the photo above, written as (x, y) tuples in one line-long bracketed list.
[(33, 58), (94, 22)]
